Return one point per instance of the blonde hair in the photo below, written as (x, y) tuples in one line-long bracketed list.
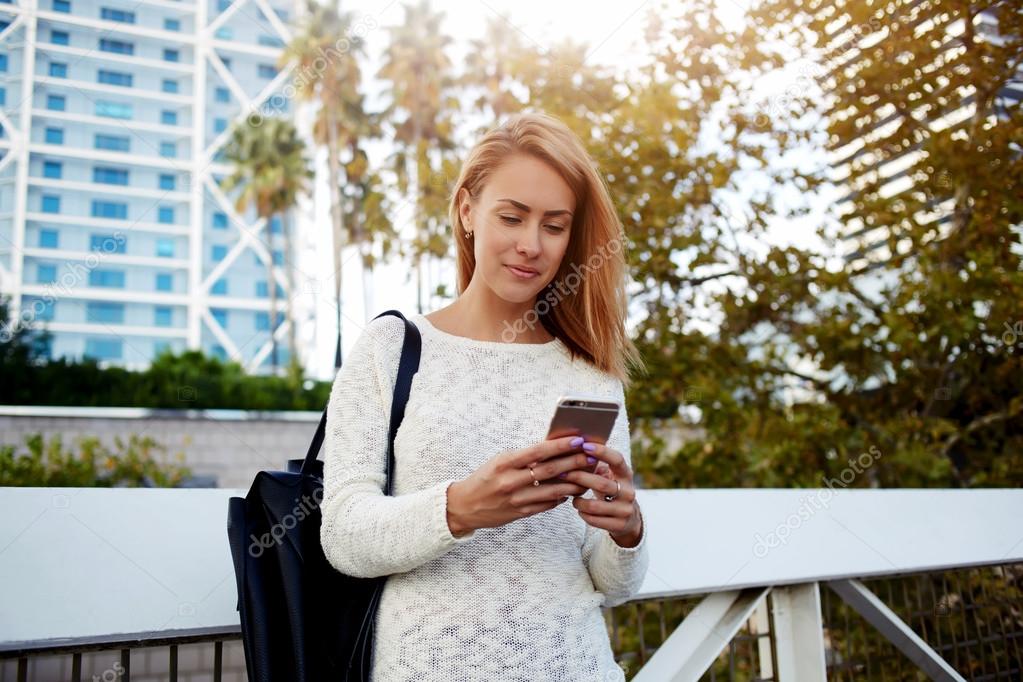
[(588, 317)]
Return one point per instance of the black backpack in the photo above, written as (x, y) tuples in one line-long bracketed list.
[(301, 619)]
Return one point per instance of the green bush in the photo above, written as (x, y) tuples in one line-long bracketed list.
[(91, 464)]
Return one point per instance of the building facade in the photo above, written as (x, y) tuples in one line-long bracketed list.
[(114, 232)]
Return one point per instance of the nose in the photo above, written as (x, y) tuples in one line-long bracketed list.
[(529, 242)]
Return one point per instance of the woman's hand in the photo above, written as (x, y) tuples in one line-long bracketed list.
[(502, 490), (619, 517)]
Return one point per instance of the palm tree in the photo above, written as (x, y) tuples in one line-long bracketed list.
[(270, 170), (419, 72), (325, 54)]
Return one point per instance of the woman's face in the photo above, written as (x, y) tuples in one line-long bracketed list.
[(523, 217)]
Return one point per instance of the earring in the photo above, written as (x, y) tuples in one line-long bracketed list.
[(468, 234)]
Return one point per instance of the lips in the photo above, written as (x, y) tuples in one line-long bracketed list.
[(525, 272)]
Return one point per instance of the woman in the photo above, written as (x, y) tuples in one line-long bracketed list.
[(492, 575)]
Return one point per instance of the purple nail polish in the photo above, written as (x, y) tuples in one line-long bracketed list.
[(591, 460), (575, 442), (562, 474), (589, 447)]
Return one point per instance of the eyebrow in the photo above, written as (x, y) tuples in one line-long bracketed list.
[(519, 204)]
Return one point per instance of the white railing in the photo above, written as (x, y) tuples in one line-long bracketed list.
[(80, 567)]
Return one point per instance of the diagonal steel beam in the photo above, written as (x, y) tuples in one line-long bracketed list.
[(694, 645), (894, 629)]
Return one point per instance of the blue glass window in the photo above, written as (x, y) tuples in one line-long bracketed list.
[(165, 247), (40, 308), (267, 71), (114, 143), (170, 55), (261, 289), (219, 220), (52, 169), (219, 287), (120, 110), (164, 281), (61, 6), (54, 136), (104, 311), (169, 85), (275, 225), (167, 181), (262, 321), (171, 25), (48, 239), (110, 176), (219, 252), (270, 41), (169, 118), (114, 78), (165, 214), (168, 149), (51, 203), (121, 15), (109, 209), (107, 278), (107, 243), (219, 125), (103, 349), (58, 69), (222, 95), (218, 352), (3, 62), (227, 62), (116, 46), (162, 316), (59, 37), (55, 102), (224, 33), (220, 315), (45, 273)]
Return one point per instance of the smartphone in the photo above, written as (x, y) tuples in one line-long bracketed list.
[(580, 414)]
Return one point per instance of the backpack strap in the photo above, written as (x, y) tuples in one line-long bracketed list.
[(411, 349)]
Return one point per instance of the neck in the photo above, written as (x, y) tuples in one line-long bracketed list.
[(488, 317)]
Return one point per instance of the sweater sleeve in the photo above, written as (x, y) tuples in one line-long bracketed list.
[(616, 571), (365, 533)]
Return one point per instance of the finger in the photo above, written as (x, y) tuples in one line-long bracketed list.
[(602, 485), (554, 467), (542, 451), (603, 470), (612, 457), (599, 508), (545, 493), (608, 523)]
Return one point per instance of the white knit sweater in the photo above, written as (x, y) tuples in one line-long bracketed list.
[(517, 602)]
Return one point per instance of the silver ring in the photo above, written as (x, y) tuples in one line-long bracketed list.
[(611, 498), (535, 482)]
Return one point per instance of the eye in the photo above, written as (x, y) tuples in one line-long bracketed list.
[(512, 220)]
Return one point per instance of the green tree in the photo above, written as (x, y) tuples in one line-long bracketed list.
[(270, 171), (420, 85)]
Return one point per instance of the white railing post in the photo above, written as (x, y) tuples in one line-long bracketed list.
[(799, 633)]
